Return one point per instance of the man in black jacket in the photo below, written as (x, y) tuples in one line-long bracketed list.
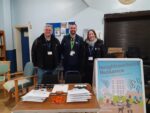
[(72, 46), (45, 53)]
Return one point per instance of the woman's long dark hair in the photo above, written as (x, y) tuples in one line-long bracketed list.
[(93, 32)]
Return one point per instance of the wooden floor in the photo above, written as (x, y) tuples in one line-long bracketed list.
[(4, 106)]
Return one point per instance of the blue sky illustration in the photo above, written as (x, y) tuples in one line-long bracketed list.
[(128, 70)]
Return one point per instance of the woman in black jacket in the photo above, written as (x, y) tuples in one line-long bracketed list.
[(93, 48)]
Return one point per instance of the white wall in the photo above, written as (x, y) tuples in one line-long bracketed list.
[(39, 12), (90, 19), (5, 22), (1, 15), (113, 6)]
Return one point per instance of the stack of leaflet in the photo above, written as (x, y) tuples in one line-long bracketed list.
[(60, 88), (78, 95), (36, 95)]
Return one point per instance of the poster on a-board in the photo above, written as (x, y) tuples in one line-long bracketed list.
[(119, 85)]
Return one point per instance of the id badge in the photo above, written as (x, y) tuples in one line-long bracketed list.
[(90, 58), (72, 53), (49, 53)]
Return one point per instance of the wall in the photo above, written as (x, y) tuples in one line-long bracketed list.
[(90, 19), (39, 12), (7, 24), (113, 6), (1, 15), (86, 13)]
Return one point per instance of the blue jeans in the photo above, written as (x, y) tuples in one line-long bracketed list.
[(40, 73)]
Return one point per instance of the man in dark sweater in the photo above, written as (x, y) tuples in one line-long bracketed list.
[(45, 53), (71, 48)]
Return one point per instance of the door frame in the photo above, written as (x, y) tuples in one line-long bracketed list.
[(17, 44)]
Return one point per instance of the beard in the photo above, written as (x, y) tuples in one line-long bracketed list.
[(72, 32)]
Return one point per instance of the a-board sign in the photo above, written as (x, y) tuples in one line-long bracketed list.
[(119, 85)]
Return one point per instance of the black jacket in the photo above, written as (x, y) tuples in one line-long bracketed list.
[(98, 51), (90, 53), (72, 62), (40, 51)]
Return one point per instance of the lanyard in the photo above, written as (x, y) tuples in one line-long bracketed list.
[(90, 50), (72, 43), (48, 45)]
